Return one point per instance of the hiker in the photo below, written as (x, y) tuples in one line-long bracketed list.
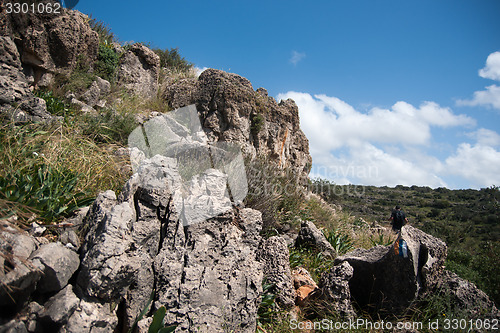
[(398, 219)]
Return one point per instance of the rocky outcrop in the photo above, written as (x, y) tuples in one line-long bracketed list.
[(311, 236), (465, 297), (48, 43), (17, 102), (231, 111), (275, 256), (384, 280), (334, 285), (138, 70), (206, 274)]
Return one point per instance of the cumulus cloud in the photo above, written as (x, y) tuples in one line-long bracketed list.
[(331, 123), (492, 68), (478, 163), (491, 96), (345, 143), (297, 57)]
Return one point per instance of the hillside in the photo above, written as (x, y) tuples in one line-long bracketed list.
[(468, 220), (137, 195)]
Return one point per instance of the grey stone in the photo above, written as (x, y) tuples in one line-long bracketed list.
[(91, 317), (58, 264), (275, 256), (311, 236), (227, 103), (18, 275), (60, 307), (17, 101), (14, 326), (138, 70), (384, 280), (334, 285), (465, 297), (70, 239)]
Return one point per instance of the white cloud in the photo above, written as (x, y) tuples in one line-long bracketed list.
[(344, 141), (492, 68), (486, 137), (491, 96), (297, 57), (199, 70), (331, 123), (368, 164), (488, 97), (478, 163)]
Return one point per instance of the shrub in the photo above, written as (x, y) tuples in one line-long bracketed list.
[(106, 37), (256, 123), (109, 126), (107, 63), (173, 60)]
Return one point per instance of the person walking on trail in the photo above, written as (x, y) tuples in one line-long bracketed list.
[(398, 219)]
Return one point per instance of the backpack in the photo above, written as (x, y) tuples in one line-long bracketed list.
[(399, 218)]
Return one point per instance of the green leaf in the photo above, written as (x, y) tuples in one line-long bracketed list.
[(157, 323), (168, 329)]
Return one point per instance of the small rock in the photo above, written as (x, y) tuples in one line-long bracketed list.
[(57, 263), (37, 230), (60, 306)]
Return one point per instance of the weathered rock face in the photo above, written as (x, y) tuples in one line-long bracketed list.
[(466, 297), (206, 274), (49, 42), (230, 110), (17, 102), (139, 69), (335, 291), (384, 280), (275, 255)]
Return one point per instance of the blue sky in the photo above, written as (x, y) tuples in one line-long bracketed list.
[(389, 92)]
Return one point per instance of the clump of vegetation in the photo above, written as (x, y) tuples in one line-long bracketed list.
[(172, 59), (107, 62), (106, 36), (256, 123)]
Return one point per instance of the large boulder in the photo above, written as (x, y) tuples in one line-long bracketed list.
[(311, 236), (232, 111), (334, 285), (465, 297), (384, 280), (48, 43), (205, 273), (139, 69)]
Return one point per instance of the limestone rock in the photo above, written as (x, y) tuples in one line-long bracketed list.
[(275, 256), (385, 280), (231, 111), (90, 317), (18, 275), (60, 307), (17, 101), (139, 69), (206, 274), (57, 263), (335, 291), (50, 42), (466, 297), (310, 235)]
